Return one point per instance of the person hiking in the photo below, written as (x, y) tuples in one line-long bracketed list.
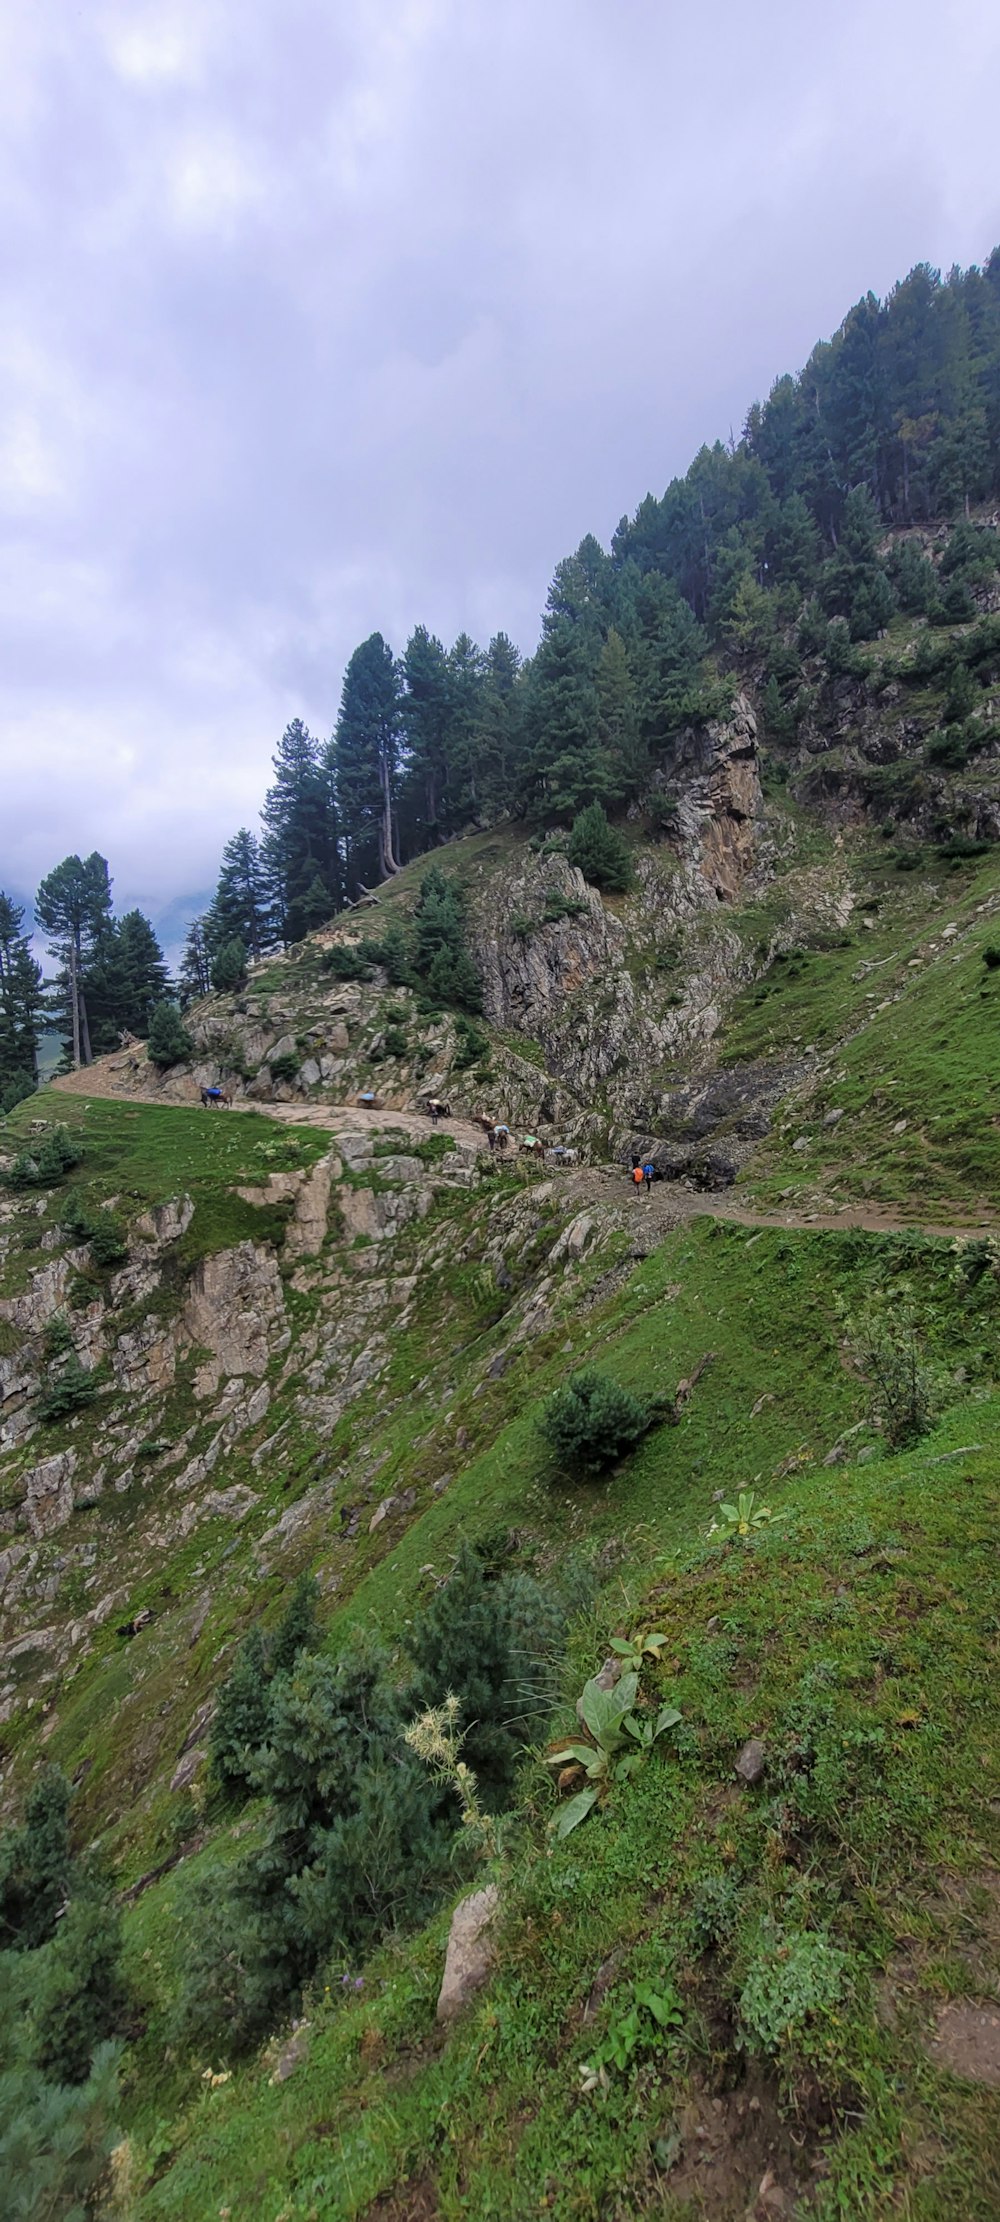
[(649, 1175), (637, 1179)]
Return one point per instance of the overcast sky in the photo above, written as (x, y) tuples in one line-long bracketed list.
[(322, 316)]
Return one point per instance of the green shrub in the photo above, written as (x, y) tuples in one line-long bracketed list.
[(57, 1341), (949, 747), (56, 2141), (24, 1172), (284, 1068), (81, 1999), (75, 1220), (470, 1044), (59, 1153), (796, 1980), (991, 956), (599, 851), (169, 1042), (107, 1242), (37, 1869), (885, 1344), (492, 1640), (593, 1422), (358, 1843), (69, 1387), (391, 951), (242, 1718), (16, 1089), (394, 1042), (240, 1721), (298, 1631), (559, 906), (346, 962), (43, 1167)]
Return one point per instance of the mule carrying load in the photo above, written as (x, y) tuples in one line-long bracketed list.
[(215, 1099), (368, 1102), (435, 1109)]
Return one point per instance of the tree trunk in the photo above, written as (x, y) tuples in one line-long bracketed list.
[(74, 1004), (88, 1054), (386, 856)]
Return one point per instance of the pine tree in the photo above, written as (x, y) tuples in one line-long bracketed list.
[(168, 1042), (300, 841), (240, 908), (241, 1718), (135, 978), (298, 1630), (229, 967), (466, 685), (567, 763), (440, 955), (196, 963), (73, 905), (426, 716), (81, 1999), (21, 1004), (498, 739), (599, 851), (364, 758)]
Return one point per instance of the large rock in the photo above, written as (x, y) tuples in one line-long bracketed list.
[(165, 1223), (309, 1194), (48, 1501), (722, 796), (470, 1953), (380, 1217), (233, 1306)]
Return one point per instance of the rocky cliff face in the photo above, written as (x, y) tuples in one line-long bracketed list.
[(613, 991), (224, 1379)]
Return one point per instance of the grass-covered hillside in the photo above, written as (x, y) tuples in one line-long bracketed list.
[(710, 1986)]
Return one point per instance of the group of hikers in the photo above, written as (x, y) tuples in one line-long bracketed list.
[(643, 1174), (499, 1137)]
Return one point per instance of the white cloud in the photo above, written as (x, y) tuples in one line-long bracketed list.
[(162, 45), (321, 319)]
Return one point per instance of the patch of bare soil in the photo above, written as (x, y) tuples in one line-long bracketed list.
[(412, 2202), (737, 2161), (967, 2041)]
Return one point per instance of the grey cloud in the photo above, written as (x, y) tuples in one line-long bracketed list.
[(327, 317)]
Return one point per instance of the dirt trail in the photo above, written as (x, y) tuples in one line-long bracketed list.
[(108, 1078), (668, 1203)]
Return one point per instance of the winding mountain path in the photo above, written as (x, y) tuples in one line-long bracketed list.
[(606, 1188)]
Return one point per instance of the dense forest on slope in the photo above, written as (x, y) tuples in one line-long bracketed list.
[(772, 549)]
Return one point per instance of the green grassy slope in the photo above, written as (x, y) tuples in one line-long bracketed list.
[(851, 1636), (855, 1636), (904, 1020)]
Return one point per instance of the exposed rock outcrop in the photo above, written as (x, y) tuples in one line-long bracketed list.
[(235, 1308)]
